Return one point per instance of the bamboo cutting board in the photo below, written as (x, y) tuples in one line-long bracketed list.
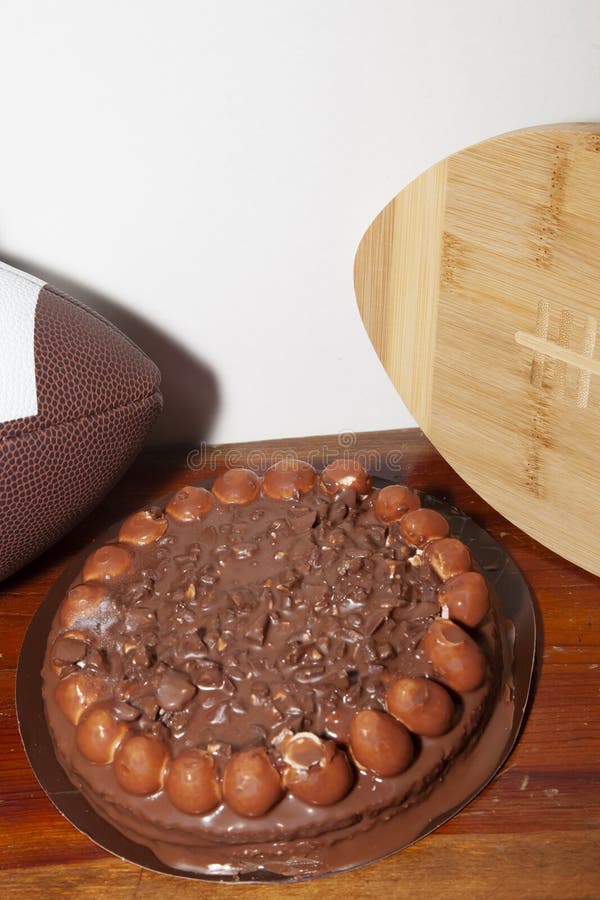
[(479, 286)]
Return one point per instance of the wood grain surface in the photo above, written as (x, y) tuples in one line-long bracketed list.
[(534, 832), (478, 286)]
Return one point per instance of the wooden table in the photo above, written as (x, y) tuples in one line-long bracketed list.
[(534, 832)]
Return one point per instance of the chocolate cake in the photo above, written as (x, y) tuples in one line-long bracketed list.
[(255, 674)]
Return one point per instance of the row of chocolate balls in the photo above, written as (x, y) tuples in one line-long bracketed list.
[(464, 592), (288, 479), (316, 770)]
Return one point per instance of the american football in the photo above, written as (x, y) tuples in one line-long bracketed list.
[(77, 399)]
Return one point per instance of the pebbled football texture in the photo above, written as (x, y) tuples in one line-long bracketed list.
[(98, 396)]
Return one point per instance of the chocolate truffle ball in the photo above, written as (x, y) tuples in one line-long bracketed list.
[(82, 603), (288, 479), (454, 655), (106, 563), (345, 473), (423, 705), (379, 743), (99, 734), (423, 525), (448, 557), (305, 749), (76, 692), (189, 504), (143, 527), (394, 501), (251, 783), (237, 486), (466, 597), (139, 764), (317, 772), (191, 783)]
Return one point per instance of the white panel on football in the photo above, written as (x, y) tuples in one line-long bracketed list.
[(18, 300)]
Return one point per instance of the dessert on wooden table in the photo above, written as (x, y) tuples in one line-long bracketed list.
[(251, 676)]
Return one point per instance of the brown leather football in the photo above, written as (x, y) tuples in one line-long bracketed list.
[(77, 399)]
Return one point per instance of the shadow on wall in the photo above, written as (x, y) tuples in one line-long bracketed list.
[(189, 387)]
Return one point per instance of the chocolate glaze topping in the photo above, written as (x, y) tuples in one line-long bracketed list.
[(219, 637)]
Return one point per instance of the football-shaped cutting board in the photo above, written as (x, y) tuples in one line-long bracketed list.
[(479, 285)]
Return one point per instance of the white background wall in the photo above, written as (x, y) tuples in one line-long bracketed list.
[(202, 172)]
